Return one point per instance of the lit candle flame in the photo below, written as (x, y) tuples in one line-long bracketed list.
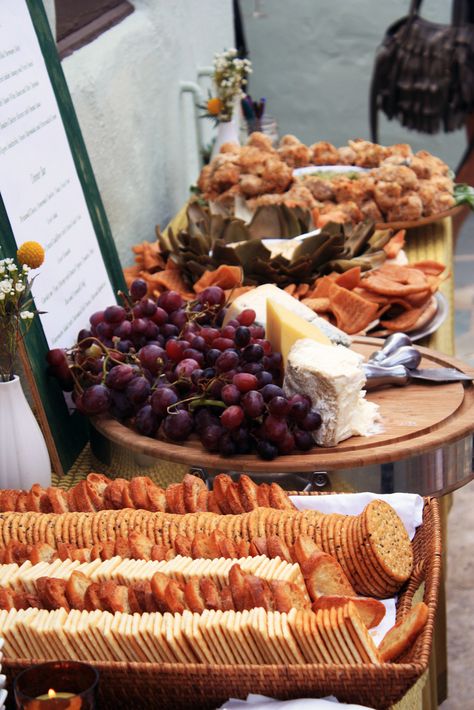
[(51, 693)]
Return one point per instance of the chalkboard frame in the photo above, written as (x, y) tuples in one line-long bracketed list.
[(66, 434)]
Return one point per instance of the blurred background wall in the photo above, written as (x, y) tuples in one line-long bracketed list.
[(313, 59)]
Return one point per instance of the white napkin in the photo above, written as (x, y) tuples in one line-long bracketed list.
[(409, 506), (261, 702)]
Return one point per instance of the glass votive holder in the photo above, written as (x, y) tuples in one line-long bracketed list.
[(58, 685), (266, 125)]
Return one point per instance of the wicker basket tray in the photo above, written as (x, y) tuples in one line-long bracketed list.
[(150, 685)]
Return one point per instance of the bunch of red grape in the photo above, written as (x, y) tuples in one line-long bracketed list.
[(168, 368)]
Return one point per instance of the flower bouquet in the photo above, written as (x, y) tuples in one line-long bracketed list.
[(229, 79)]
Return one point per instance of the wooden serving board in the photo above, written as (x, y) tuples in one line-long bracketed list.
[(411, 224), (415, 419)]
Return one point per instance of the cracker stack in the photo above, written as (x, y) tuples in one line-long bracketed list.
[(213, 637)]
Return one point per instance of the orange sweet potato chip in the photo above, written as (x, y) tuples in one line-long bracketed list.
[(319, 305), (301, 290), (321, 287), (353, 313), (395, 244), (349, 279), (233, 293), (165, 280), (405, 321), (372, 296), (433, 268), (291, 288), (225, 276)]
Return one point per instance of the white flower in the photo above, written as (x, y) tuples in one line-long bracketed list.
[(26, 268), (11, 267), (26, 315), (19, 287), (5, 285)]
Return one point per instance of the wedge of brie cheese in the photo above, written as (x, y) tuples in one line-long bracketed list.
[(332, 376), (257, 300)]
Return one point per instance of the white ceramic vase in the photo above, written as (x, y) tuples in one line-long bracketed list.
[(227, 132), (24, 457)]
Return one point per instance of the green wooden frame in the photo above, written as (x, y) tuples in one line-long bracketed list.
[(66, 434)]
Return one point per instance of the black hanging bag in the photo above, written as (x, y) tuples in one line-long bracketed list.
[(424, 72)]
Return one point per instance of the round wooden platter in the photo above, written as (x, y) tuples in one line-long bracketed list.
[(420, 222), (415, 419)]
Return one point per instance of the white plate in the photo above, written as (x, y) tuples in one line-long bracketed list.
[(329, 169)]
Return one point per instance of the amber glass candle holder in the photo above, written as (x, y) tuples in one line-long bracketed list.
[(59, 685)]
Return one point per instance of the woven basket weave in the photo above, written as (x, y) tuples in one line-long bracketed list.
[(150, 685)]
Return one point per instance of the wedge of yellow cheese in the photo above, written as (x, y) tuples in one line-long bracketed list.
[(284, 328)]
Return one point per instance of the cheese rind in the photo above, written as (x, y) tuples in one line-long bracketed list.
[(333, 378), (257, 300)]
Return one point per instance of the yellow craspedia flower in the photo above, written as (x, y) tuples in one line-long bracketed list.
[(31, 254), (214, 106)]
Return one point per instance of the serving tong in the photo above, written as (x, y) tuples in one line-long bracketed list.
[(396, 363)]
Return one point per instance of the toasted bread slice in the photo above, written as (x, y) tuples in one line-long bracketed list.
[(156, 497), (58, 499), (193, 596), (279, 498), (324, 575), (182, 546), (277, 547), (159, 582), (35, 494), (304, 550), (81, 554), (122, 547), (204, 546), (239, 589), (192, 487), (82, 500), (113, 494), (158, 553), (263, 495), (108, 550), (140, 598), (212, 504), (42, 552), (8, 500), (259, 592), (65, 550), (91, 598), (139, 492), (96, 485), (174, 597), (260, 545), (248, 492), (233, 498), (21, 504), (127, 501), (227, 603), (96, 551), (175, 499), (243, 548), (16, 552), (114, 597), (140, 546), (371, 611), (52, 593), (210, 593), (25, 600), (226, 546), (76, 588), (220, 484), (6, 599), (404, 633), (287, 595)]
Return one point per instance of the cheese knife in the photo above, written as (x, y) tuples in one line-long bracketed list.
[(379, 375)]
